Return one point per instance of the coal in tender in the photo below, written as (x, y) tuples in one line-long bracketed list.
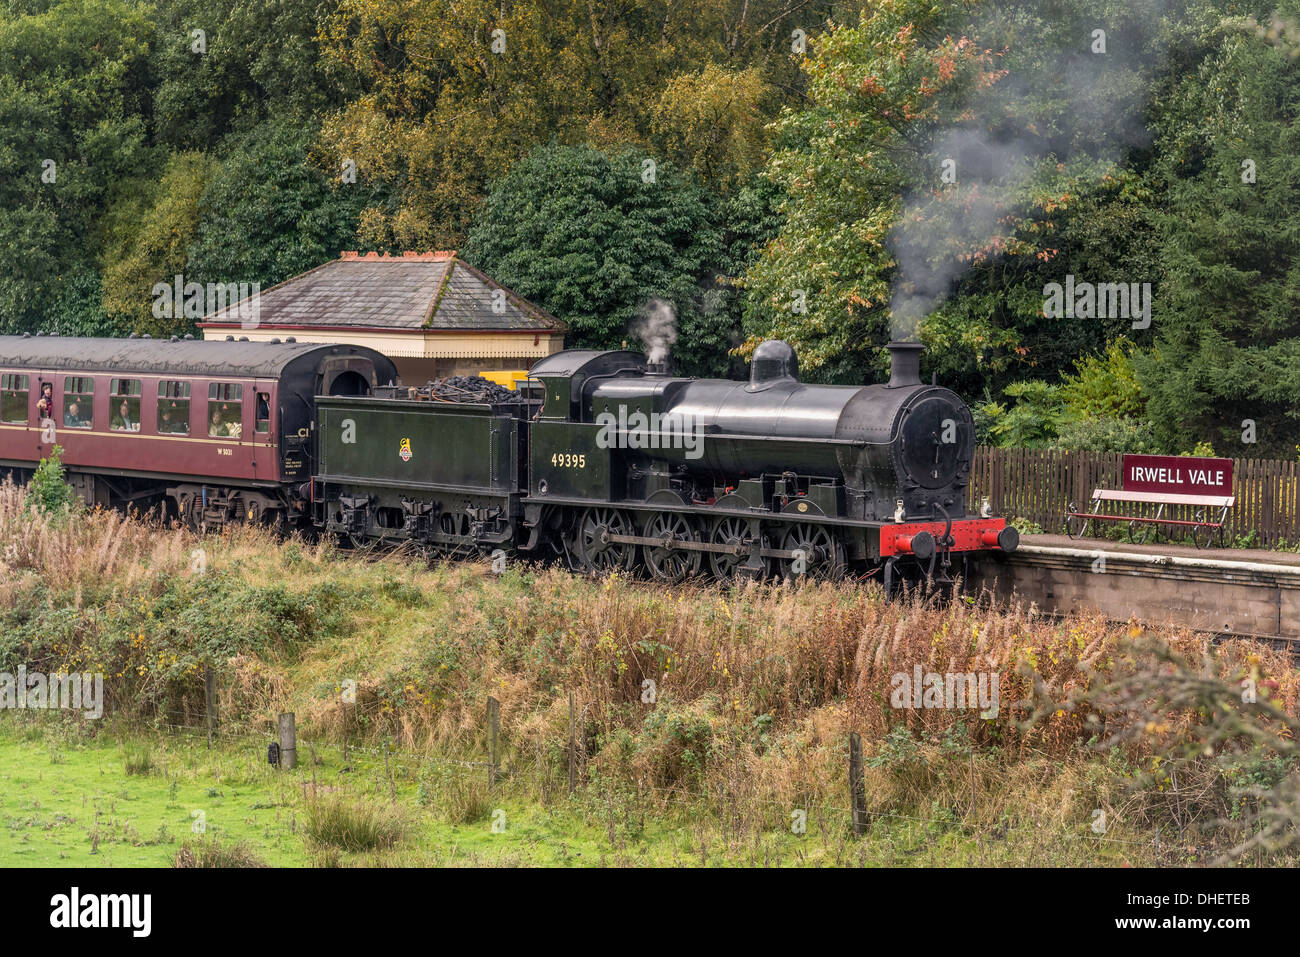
[(470, 388)]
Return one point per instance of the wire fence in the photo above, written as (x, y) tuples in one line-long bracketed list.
[(828, 818)]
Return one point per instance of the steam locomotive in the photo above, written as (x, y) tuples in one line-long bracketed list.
[(613, 463), (601, 458)]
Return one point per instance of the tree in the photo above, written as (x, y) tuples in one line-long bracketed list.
[(226, 66), (150, 244), (712, 122), (823, 283), (267, 214), (456, 94), (73, 85), (593, 237), (1226, 361), (954, 159)]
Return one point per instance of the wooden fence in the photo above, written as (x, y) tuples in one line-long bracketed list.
[(1038, 485)]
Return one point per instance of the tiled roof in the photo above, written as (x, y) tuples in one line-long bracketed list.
[(411, 291)]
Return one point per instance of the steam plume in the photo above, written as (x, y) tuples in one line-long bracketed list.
[(656, 328)]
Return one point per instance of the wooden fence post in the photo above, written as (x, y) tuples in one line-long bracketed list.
[(857, 792), (494, 719), (288, 742), (573, 748), (209, 700)]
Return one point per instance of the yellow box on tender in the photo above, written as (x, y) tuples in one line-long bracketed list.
[(509, 378)]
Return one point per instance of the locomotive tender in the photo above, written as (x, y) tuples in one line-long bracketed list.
[(601, 457)]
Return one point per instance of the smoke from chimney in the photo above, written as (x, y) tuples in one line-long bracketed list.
[(656, 328), (996, 150)]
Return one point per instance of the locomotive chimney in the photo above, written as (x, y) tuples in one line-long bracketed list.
[(905, 364)]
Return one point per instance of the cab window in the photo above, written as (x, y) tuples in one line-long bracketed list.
[(78, 402), (13, 397), (173, 407), (225, 410), (124, 405)]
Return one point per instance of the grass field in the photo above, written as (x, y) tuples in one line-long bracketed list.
[(70, 802), (711, 724)]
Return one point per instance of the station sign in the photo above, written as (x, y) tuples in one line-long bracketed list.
[(1177, 475)]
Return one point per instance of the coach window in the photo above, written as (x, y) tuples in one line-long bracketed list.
[(263, 412), (78, 402), (124, 405), (225, 410), (173, 407), (13, 398)]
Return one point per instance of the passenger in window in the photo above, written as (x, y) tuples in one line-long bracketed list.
[(45, 407), (122, 420), (174, 421), (216, 426), (234, 428), (72, 417), (263, 412)]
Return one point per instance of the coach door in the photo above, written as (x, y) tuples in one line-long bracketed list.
[(262, 421)]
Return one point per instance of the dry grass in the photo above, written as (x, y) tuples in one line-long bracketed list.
[(202, 852), (755, 687)]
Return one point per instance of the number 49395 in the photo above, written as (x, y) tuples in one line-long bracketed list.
[(568, 460)]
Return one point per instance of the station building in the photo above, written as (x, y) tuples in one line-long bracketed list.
[(432, 313)]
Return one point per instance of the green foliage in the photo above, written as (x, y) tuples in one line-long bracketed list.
[(48, 492), (446, 106), (1107, 434), (1104, 385), (73, 81), (1032, 422), (267, 214), (583, 234), (712, 122), (1228, 319), (149, 236)]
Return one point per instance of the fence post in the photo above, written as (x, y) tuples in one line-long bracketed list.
[(573, 747), (209, 700), (288, 742), (857, 793), (494, 719)]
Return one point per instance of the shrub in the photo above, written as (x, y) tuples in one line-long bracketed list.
[(202, 852), (48, 493), (1108, 434), (353, 825), (138, 760)]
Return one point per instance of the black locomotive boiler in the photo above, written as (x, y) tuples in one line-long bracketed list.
[(615, 464)]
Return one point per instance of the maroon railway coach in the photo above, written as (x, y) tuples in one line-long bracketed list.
[(214, 431)]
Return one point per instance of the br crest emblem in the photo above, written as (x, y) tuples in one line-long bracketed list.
[(405, 451)]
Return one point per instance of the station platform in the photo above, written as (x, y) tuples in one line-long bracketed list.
[(1248, 592)]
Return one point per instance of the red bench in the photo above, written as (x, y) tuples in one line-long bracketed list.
[(1204, 524)]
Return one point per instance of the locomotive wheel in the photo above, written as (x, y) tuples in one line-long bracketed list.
[(727, 531), (592, 547), (672, 565), (824, 555)]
